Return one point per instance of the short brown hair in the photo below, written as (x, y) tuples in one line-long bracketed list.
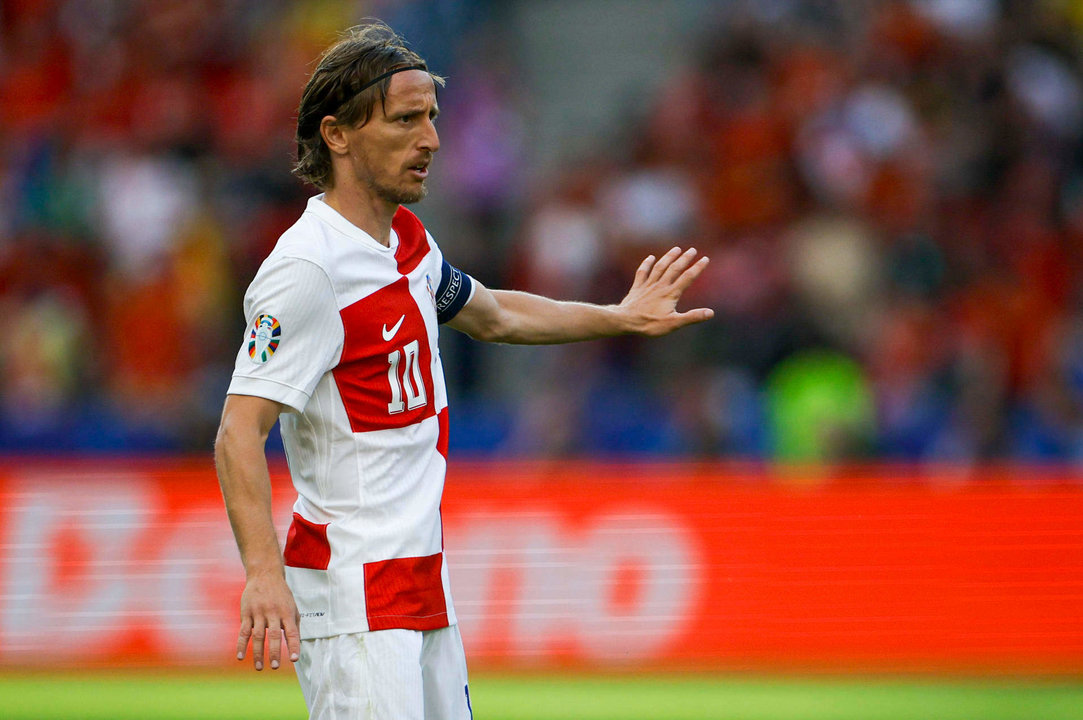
[(362, 54)]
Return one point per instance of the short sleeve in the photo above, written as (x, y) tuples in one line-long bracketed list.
[(294, 333), (454, 292)]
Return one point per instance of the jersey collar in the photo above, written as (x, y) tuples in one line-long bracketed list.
[(331, 216)]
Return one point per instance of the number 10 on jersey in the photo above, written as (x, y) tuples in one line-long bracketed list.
[(404, 376)]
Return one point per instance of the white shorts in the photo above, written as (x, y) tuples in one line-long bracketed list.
[(386, 675)]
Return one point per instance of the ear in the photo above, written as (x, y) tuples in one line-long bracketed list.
[(333, 135)]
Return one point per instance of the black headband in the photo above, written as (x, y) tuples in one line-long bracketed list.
[(388, 74), (314, 117)]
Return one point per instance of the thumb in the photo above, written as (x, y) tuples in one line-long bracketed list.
[(697, 315)]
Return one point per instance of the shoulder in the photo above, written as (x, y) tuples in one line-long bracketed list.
[(300, 262), (306, 240)]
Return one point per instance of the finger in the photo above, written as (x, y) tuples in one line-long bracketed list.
[(690, 274), (274, 643), (258, 632), (693, 316), (293, 639), (243, 636), (679, 265), (663, 263), (644, 271)]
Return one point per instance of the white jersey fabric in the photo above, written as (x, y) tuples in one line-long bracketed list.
[(343, 331)]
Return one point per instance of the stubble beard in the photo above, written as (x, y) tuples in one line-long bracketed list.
[(402, 197), (369, 173), (397, 195)]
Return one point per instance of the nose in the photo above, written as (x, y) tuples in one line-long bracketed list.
[(430, 139)]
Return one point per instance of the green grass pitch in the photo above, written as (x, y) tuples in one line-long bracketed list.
[(120, 695)]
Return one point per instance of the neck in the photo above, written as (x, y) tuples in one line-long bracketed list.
[(366, 211)]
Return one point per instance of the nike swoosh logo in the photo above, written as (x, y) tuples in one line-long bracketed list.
[(388, 334)]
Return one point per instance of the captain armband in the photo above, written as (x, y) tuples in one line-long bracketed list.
[(456, 289)]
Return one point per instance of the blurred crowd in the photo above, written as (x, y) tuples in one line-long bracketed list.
[(891, 194)]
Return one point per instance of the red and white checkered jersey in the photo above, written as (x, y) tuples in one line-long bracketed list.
[(343, 331)]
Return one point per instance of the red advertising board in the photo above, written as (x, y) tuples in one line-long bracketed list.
[(577, 565)]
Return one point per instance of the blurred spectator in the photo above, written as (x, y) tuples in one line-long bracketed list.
[(890, 194), (820, 408)]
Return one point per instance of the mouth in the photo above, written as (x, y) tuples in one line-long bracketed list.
[(421, 170)]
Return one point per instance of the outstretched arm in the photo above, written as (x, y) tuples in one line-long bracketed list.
[(267, 605), (649, 308)]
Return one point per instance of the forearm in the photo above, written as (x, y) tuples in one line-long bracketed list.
[(246, 489), (520, 318), (536, 320)]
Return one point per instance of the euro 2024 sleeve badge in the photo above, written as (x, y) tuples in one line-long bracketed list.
[(264, 338)]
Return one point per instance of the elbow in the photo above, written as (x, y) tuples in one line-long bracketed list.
[(222, 442), (495, 328), (231, 437), (486, 333)]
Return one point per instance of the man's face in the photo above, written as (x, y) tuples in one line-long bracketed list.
[(390, 154)]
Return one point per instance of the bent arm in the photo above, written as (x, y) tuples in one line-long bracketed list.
[(267, 606), (649, 308)]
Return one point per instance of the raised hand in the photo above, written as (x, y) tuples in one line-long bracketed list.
[(651, 303)]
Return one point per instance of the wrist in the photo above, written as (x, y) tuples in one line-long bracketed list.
[(264, 569), (627, 322)]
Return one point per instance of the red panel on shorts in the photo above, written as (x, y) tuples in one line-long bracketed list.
[(306, 545), (413, 244), (406, 593), (441, 439)]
